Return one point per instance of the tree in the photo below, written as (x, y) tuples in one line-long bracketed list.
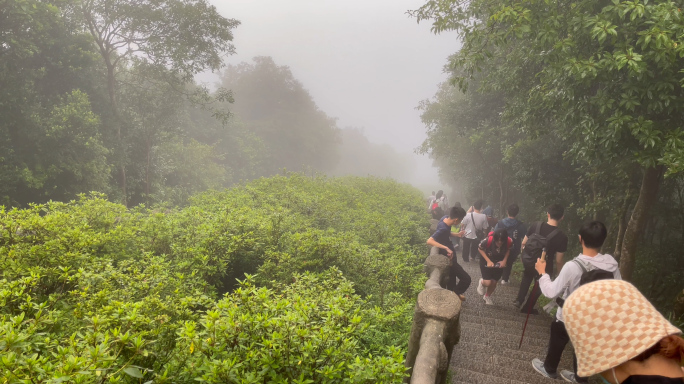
[(180, 38), (604, 75), (50, 146), (274, 105)]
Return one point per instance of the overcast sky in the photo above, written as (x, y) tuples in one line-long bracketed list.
[(364, 62)]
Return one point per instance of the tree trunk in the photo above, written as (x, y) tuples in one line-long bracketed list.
[(622, 222), (647, 196), (111, 90)]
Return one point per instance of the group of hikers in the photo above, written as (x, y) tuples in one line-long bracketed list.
[(614, 330)]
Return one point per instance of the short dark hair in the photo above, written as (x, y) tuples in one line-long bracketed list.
[(593, 234), (556, 211), (433, 192), (513, 210), (457, 213), (478, 204)]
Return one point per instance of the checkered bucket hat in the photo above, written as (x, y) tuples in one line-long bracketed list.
[(611, 322)]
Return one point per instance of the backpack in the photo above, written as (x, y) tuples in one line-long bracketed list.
[(490, 240), (536, 243), (590, 273)]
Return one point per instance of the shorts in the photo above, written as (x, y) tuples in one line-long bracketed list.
[(490, 273)]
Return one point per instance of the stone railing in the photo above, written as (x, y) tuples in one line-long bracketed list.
[(435, 328)]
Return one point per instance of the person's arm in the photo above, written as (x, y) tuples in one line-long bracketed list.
[(434, 243), (522, 245), (505, 260), (555, 288), (489, 262), (559, 261), (458, 234)]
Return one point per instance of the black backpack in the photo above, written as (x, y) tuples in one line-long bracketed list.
[(589, 273), (536, 243)]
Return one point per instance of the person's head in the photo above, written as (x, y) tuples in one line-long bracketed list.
[(500, 237), (439, 194), (615, 330), (433, 193), (555, 211), (478, 204), (513, 210), (489, 211), (457, 204), (456, 214), (592, 235)]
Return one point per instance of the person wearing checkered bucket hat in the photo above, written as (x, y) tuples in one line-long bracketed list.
[(619, 335)]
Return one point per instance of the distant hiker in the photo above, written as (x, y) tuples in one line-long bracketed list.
[(442, 201), (516, 231), (541, 236), (632, 343), (476, 229), (436, 209), (491, 220), (430, 200), (495, 250), (440, 239), (589, 266)]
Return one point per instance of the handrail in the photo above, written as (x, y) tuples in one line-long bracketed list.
[(435, 328)]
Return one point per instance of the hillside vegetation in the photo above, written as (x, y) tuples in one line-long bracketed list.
[(285, 279)]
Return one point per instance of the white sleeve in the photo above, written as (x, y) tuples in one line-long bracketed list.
[(553, 289)]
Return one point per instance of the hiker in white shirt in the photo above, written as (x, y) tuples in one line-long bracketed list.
[(472, 222), (589, 266)]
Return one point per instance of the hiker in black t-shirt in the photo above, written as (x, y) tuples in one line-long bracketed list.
[(556, 247), (441, 239)]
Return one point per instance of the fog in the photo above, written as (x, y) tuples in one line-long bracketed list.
[(365, 63)]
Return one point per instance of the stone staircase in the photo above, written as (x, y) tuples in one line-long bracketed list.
[(488, 349)]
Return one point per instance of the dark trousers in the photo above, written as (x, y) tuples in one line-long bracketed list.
[(469, 249), (530, 275), (509, 266), (456, 271), (557, 341)]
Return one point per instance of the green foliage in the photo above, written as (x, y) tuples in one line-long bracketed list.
[(306, 332), (93, 292)]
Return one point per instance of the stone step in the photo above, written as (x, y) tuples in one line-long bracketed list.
[(524, 354), (514, 362), (517, 331), (496, 341), (493, 313), (504, 324), (506, 372)]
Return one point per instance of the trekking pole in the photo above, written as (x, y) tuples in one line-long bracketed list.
[(529, 307)]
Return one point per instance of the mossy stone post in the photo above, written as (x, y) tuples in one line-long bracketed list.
[(435, 328)]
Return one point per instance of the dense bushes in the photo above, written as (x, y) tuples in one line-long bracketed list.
[(93, 292)]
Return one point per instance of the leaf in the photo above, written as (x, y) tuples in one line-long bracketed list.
[(134, 372)]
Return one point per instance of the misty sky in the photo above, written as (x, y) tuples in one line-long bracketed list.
[(363, 61)]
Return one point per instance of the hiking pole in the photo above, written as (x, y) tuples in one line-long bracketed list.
[(529, 307)]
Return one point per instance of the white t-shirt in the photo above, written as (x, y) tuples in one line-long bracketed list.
[(480, 223)]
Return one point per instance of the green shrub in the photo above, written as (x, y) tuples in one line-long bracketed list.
[(93, 292)]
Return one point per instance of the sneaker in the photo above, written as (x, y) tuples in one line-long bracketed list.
[(462, 297), (504, 282), (538, 366), (480, 288), (516, 303), (488, 300), (571, 377)]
